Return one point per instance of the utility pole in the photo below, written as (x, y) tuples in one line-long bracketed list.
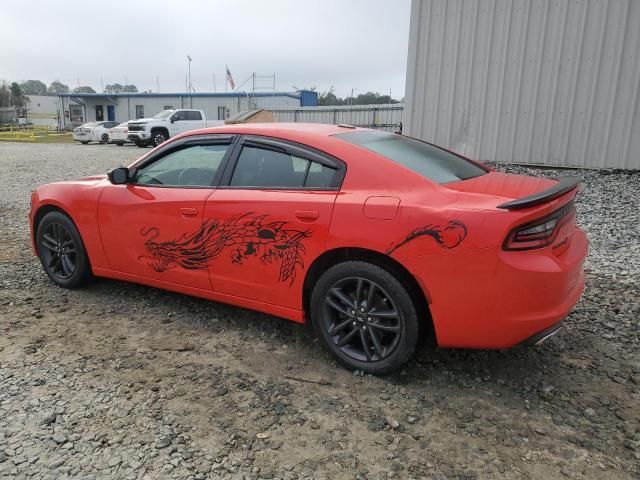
[(158, 84), (190, 86)]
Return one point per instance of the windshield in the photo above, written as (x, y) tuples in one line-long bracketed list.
[(163, 114), (428, 160)]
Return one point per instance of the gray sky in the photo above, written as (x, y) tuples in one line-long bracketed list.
[(359, 44)]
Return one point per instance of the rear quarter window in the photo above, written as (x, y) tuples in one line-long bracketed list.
[(430, 161)]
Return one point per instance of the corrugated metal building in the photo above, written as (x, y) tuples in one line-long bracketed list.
[(531, 81), (79, 108), (382, 117)]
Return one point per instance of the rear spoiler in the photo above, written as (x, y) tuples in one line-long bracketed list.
[(564, 185)]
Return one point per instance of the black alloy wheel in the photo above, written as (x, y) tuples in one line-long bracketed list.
[(61, 251), (365, 317), (104, 138), (159, 138), (362, 319)]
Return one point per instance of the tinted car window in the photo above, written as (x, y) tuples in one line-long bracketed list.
[(258, 167), (193, 116), (191, 166), (319, 176), (428, 160)]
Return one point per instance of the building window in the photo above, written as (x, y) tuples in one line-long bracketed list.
[(139, 111)]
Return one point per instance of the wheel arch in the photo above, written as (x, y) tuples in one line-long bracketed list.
[(344, 254), (39, 215), (162, 128)]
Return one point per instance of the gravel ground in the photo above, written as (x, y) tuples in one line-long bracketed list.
[(124, 381)]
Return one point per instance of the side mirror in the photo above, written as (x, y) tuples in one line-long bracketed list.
[(172, 119), (118, 176)]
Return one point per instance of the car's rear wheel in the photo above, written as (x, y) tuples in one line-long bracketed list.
[(365, 317), (61, 251), (85, 143), (104, 138), (120, 144)]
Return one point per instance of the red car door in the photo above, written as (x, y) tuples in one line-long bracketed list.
[(152, 227), (269, 219)]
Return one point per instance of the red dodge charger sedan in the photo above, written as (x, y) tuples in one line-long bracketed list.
[(374, 238)]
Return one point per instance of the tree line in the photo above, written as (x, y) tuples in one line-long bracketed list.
[(15, 94), (12, 94)]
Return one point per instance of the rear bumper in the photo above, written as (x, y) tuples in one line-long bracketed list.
[(541, 337), (491, 298), (119, 139)]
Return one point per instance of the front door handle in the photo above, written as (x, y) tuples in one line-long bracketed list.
[(308, 215), (189, 212)]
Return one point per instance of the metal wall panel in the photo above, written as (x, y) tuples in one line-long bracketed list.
[(382, 117), (531, 81)]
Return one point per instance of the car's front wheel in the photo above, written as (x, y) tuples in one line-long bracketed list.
[(158, 137), (365, 317), (61, 251), (104, 138)]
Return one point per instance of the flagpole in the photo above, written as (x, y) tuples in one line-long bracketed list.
[(226, 78)]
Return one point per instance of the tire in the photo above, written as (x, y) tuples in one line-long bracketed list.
[(120, 144), (104, 138), (56, 234), (396, 333), (158, 137), (141, 145), (85, 143)]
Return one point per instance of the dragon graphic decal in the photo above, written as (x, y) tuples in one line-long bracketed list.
[(244, 235), (449, 236)]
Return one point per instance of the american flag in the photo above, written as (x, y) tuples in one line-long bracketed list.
[(230, 79)]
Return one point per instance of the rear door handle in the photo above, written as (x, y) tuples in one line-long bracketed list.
[(307, 215), (189, 212)]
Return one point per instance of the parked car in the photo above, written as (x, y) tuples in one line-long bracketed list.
[(93, 132), (164, 125), (119, 134), (372, 237)]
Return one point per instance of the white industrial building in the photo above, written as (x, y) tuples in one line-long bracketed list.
[(551, 82), (72, 109)]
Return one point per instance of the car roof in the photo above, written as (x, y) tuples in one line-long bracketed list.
[(281, 129)]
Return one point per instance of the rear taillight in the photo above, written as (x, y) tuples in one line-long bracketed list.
[(541, 232)]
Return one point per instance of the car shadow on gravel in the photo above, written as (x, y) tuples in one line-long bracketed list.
[(214, 317)]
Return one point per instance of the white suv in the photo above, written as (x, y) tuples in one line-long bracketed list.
[(164, 125)]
